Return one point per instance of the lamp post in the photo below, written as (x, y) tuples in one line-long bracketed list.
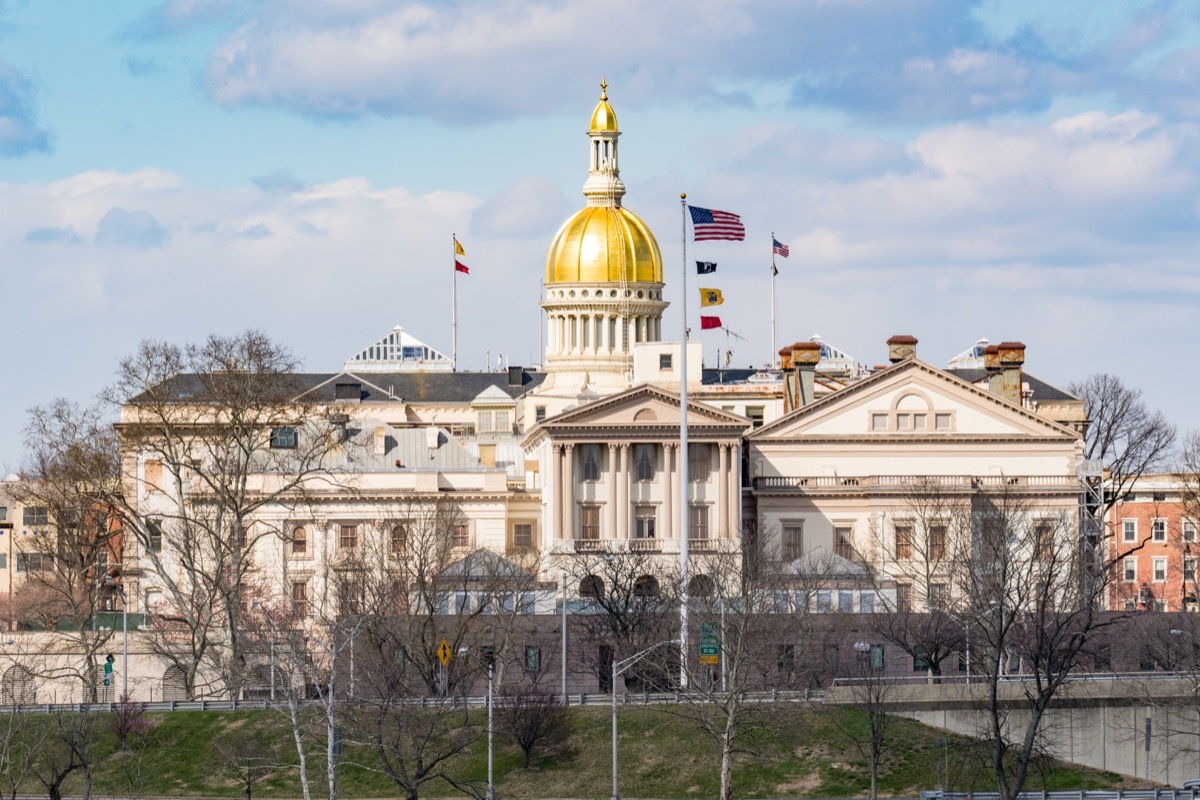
[(120, 589), (491, 666), (617, 668), (565, 699)]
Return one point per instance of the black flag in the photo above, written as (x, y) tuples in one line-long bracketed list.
[(705, 267)]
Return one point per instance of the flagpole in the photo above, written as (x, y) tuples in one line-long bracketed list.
[(684, 510), (454, 303), (774, 272)]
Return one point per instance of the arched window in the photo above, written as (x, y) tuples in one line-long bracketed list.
[(591, 586), (399, 539), (299, 541), (17, 687), (700, 586), (646, 586), (174, 684)]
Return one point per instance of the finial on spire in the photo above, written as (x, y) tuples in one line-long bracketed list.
[(603, 88)]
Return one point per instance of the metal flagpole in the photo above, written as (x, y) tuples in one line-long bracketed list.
[(774, 272), (454, 303), (684, 515)]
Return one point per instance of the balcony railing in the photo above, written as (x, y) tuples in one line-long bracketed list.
[(913, 482)]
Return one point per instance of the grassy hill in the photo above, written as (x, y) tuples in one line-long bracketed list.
[(804, 754)]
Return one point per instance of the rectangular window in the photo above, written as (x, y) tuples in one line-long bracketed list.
[(533, 659), (539, 413), (937, 542), (643, 457), (903, 422), (1043, 541), (348, 537), (879, 422), (698, 523), (903, 598), (941, 422), (154, 471), (3, 513), (793, 542), (523, 535), (589, 528), (1129, 570), (877, 656), (300, 541), (1189, 530), (699, 463), (283, 438), (1160, 569), (1189, 569), (1158, 530), (664, 361), (35, 515), (349, 597), (1129, 530), (903, 542), (939, 595), (34, 562), (866, 601), (920, 663), (918, 422), (643, 521), (845, 601), (591, 462), (300, 599), (3, 560), (755, 415), (824, 601), (841, 544), (154, 535), (460, 535)]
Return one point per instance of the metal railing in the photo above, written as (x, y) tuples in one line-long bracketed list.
[(915, 481)]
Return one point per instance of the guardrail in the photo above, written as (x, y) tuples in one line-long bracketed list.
[(480, 701), (1082, 794), (911, 482)]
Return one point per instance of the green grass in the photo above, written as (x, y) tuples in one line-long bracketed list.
[(803, 754)]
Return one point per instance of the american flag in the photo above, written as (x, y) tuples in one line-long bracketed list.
[(779, 248), (709, 224)]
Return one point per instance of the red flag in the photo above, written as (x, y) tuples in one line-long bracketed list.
[(708, 323), (458, 251), (461, 267)]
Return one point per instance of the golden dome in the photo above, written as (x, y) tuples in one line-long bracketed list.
[(603, 118), (595, 245)]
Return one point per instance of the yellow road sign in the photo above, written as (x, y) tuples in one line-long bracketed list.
[(443, 653)]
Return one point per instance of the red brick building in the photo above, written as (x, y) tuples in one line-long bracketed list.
[(1153, 535)]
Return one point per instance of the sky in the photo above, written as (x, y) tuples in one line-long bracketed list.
[(950, 169)]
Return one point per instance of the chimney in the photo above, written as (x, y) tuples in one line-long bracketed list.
[(901, 347), (1003, 363), (380, 440), (785, 359), (800, 379)]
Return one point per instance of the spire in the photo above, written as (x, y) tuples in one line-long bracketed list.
[(603, 186)]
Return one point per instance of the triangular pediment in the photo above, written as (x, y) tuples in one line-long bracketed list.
[(911, 399), (493, 396), (644, 408)]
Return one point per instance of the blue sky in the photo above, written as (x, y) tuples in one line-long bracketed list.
[(954, 170)]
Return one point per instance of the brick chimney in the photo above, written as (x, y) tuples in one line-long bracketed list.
[(800, 380), (1003, 364), (901, 347)]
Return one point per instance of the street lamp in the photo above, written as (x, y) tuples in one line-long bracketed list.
[(120, 588), (565, 700), (491, 665), (617, 668)]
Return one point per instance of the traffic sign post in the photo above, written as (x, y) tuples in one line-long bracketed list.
[(710, 644), (108, 662)]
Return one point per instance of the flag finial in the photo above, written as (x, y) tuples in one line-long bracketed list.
[(603, 88)]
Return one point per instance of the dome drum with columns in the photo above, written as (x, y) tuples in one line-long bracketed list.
[(604, 278)]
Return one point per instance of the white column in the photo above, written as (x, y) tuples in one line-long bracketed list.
[(623, 492), (735, 490), (614, 509), (568, 491), (557, 457), (723, 494), (670, 490)]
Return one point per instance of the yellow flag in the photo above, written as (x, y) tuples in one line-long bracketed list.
[(711, 297), (458, 251)]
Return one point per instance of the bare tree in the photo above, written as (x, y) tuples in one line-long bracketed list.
[(249, 757), (67, 749), (71, 562), (1126, 436), (869, 691), (1030, 604), (211, 435), (531, 717), (21, 739)]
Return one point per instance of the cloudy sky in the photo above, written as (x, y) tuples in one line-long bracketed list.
[(1012, 169)]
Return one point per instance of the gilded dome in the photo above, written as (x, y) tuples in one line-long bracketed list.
[(600, 242), (603, 118)]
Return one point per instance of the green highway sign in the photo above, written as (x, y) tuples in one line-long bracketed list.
[(710, 643)]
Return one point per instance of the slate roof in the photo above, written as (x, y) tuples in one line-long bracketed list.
[(380, 387), (1039, 389)]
